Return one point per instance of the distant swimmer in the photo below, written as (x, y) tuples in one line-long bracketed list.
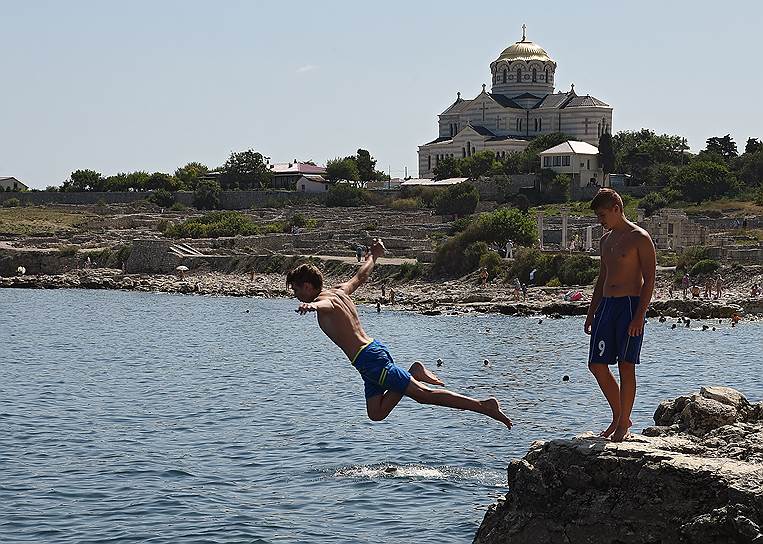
[(385, 382), (439, 362), (618, 307)]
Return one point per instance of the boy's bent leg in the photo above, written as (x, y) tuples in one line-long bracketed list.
[(627, 398), (442, 397), (379, 407), (611, 390)]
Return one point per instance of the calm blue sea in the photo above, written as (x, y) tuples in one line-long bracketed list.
[(137, 417)]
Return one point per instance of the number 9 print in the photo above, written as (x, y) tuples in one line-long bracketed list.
[(602, 345)]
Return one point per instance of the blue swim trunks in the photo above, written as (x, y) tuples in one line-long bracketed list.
[(379, 371), (610, 342)]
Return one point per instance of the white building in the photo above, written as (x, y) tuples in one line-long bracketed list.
[(308, 183), (286, 175), (579, 160), (9, 183), (521, 105)]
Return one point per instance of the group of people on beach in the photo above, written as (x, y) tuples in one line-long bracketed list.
[(615, 322)]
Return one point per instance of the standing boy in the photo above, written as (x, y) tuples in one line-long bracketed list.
[(616, 316)]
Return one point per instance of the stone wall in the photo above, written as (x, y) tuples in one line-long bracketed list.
[(229, 200)]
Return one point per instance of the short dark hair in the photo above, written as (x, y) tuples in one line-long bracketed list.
[(606, 198), (305, 273)]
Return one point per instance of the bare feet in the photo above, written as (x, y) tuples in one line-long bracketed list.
[(422, 374), (606, 433), (621, 434), (493, 409)]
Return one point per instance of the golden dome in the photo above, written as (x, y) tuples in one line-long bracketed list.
[(525, 50)]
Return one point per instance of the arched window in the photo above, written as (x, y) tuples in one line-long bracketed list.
[(519, 75), (536, 125), (546, 75), (463, 152), (429, 162), (505, 73), (540, 124), (535, 75)]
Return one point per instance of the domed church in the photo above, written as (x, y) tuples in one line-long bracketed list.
[(521, 105)]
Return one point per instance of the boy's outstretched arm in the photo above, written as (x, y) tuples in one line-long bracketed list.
[(377, 250)]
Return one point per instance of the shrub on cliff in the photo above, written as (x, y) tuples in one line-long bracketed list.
[(344, 194), (458, 199), (565, 269), (214, 225), (11, 203), (207, 195), (690, 257), (704, 267), (162, 198)]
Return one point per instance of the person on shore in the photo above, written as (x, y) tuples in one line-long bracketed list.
[(391, 296), (385, 382), (359, 252), (718, 287), (483, 276), (709, 284), (685, 283), (524, 292), (670, 289), (517, 288), (618, 307), (384, 290)]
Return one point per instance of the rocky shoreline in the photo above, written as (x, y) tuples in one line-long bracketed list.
[(695, 477), (429, 298)]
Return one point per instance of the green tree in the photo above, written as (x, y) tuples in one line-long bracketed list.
[(245, 170), (636, 152), (447, 167), (162, 198), (750, 168), (346, 168), (344, 194), (502, 225), (366, 165), (479, 164), (188, 175), (117, 182), (137, 180), (207, 195), (724, 146), (700, 181), (83, 180), (457, 199), (606, 153), (558, 188), (753, 145), (160, 180)]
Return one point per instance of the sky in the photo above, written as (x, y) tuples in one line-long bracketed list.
[(152, 85)]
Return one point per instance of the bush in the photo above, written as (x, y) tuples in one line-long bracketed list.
[(562, 269), (473, 255), (410, 271), (11, 203), (217, 224), (178, 207), (690, 257), (344, 194), (162, 198), (492, 262), (554, 282), (458, 199), (704, 267), (162, 224), (207, 195), (68, 250), (406, 204)]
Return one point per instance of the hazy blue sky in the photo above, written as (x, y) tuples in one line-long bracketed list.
[(151, 85)]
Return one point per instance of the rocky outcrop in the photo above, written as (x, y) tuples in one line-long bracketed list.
[(694, 477)]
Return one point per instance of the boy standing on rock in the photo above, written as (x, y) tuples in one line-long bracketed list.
[(385, 382), (618, 307)]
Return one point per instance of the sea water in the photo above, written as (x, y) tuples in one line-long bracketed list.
[(143, 417)]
